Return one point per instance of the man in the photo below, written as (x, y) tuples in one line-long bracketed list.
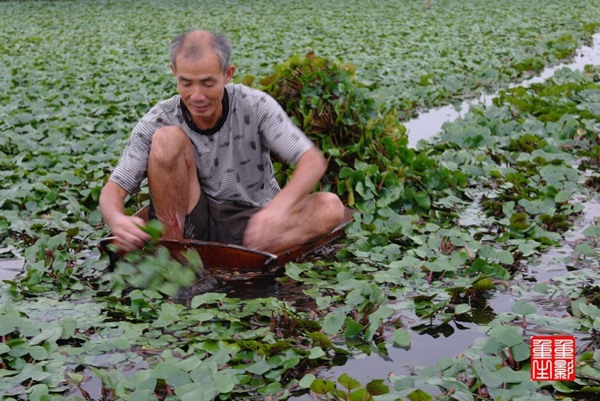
[(206, 154)]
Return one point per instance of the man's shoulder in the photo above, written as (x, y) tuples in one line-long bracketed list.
[(246, 98), (241, 92), (162, 109), (168, 105)]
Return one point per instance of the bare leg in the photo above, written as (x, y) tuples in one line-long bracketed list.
[(172, 179), (314, 216)]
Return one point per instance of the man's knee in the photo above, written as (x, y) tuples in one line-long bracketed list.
[(168, 144), (330, 208)]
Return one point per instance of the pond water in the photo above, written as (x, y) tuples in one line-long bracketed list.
[(9, 268), (424, 127), (425, 349), (430, 123)]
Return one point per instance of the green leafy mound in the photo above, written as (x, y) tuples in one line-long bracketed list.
[(335, 110), (367, 144)]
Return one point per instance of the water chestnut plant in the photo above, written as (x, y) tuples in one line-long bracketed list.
[(444, 235)]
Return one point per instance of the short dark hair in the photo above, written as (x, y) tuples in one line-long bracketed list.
[(219, 43)]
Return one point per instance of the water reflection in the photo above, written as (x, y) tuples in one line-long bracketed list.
[(430, 123), (10, 268)]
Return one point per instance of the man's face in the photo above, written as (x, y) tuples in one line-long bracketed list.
[(201, 82)]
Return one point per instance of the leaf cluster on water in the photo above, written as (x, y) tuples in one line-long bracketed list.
[(416, 261)]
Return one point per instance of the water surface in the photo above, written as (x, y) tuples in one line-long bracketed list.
[(430, 123)]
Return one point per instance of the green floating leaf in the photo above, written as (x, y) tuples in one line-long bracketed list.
[(224, 382), (69, 325), (462, 308), (39, 392), (562, 196), (592, 231), (484, 284), (348, 382), (508, 376), (377, 387), (307, 381), (508, 208), (419, 395), (402, 338), (334, 322), (562, 387), (359, 395), (507, 335), (586, 249), (74, 378), (353, 329), (487, 376), (320, 386), (207, 299), (316, 353), (523, 308), (521, 352), (423, 200), (205, 391), (142, 394), (505, 257)]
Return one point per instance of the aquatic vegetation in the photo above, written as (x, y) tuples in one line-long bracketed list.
[(439, 231)]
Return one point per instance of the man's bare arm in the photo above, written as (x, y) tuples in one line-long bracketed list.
[(268, 226), (125, 229), (309, 170)]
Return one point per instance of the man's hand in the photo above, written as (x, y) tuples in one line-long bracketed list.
[(126, 229), (265, 228), (128, 234), (268, 229)]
